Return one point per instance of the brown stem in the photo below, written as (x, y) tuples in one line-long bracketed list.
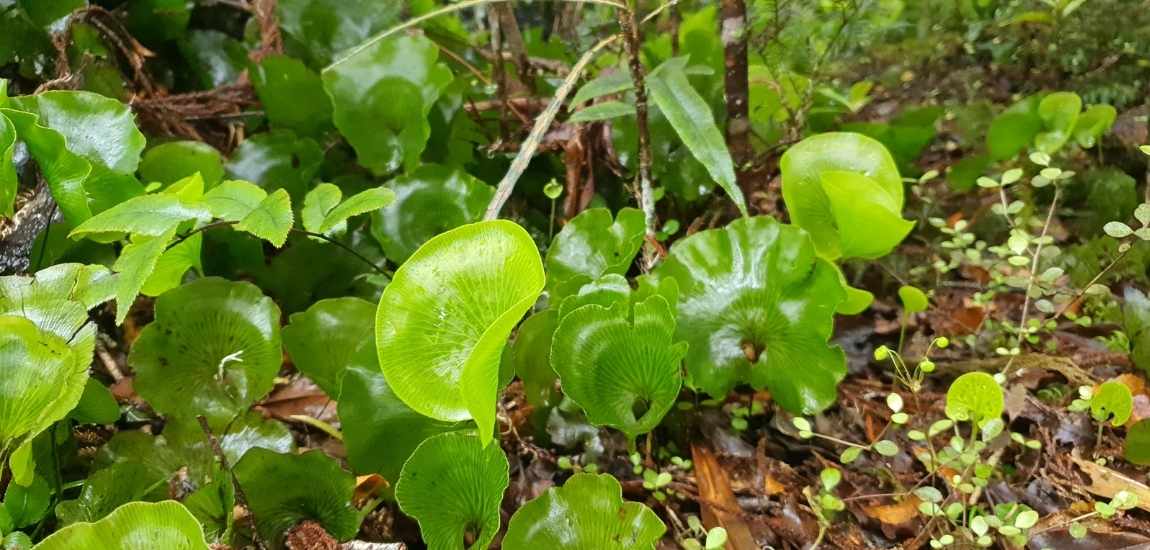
[(646, 194), (734, 36)]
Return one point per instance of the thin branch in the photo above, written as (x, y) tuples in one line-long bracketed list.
[(646, 194), (459, 6), (542, 124), (737, 89)]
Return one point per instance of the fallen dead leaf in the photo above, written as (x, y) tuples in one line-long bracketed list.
[(1106, 482), (717, 502)]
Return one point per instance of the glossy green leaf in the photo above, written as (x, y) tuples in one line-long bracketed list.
[(858, 202), (284, 489), (381, 98), (1138, 443), (530, 357), (156, 21), (756, 304), (292, 94), (1112, 402), (428, 201), (606, 110), (974, 397), (214, 507), (109, 488), (592, 245), (99, 129), (443, 321), (453, 485), (609, 82), (151, 215), (330, 337), (9, 183), (135, 265), (173, 264), (691, 118), (133, 526), (96, 405), (233, 200), (170, 162), (278, 159), (27, 505), (43, 379), (323, 28), (812, 208), (379, 431), (64, 171), (213, 349), (622, 367), (271, 220), (325, 213), (1093, 123), (588, 512), (1059, 114), (46, 12)]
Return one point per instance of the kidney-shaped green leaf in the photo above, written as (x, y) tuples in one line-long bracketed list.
[(869, 220), (453, 485), (821, 213), (974, 397), (622, 368), (756, 304), (443, 321), (592, 245), (587, 513), (42, 379), (428, 201), (1059, 114), (213, 349), (133, 526), (332, 336), (284, 489)]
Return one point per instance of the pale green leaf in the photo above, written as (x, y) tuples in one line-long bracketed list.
[(271, 220)]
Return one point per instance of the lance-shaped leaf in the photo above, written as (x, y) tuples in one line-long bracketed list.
[(820, 213), (381, 97), (452, 485), (756, 304), (135, 265), (692, 119), (587, 512), (330, 337), (592, 245), (443, 321), (428, 201), (151, 215), (621, 367), (133, 526), (285, 489), (213, 349), (43, 379), (379, 431)]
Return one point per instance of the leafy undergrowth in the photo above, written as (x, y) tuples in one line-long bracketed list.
[(314, 274)]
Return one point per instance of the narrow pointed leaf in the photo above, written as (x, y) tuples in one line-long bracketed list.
[(692, 119), (135, 266)]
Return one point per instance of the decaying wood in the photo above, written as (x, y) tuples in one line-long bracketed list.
[(717, 501)]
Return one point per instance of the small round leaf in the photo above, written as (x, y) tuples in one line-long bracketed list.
[(974, 396), (1112, 402)]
